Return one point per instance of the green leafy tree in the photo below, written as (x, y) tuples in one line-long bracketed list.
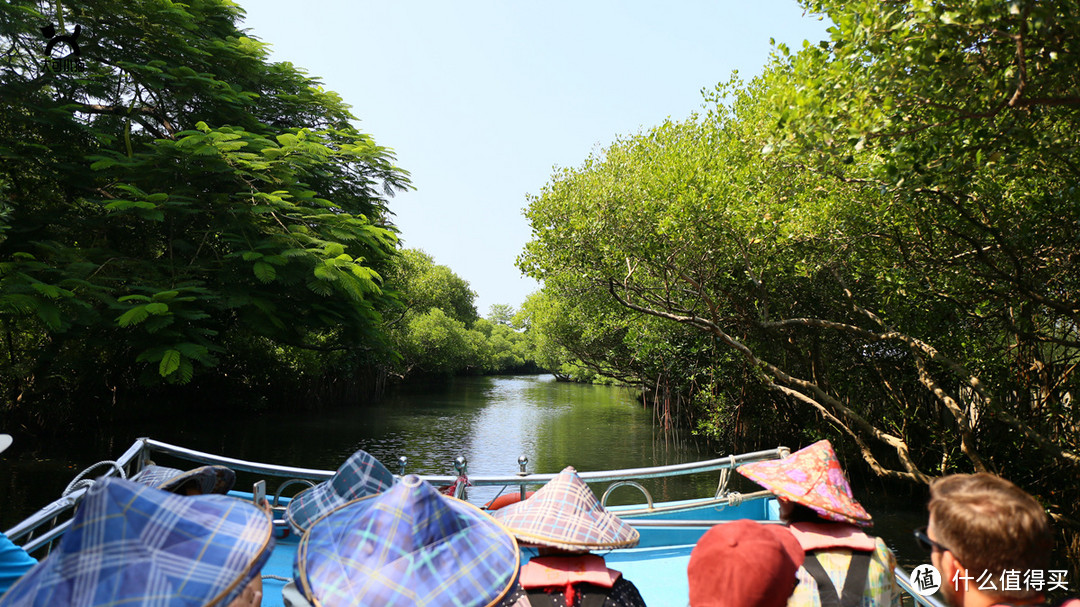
[(501, 314), (508, 344), (430, 325), (955, 125), (173, 192), (549, 355), (437, 344), (881, 229), (422, 284), (436, 328), (573, 338)]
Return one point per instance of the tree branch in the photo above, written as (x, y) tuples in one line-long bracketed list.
[(787, 380)]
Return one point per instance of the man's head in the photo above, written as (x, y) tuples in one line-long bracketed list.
[(987, 524)]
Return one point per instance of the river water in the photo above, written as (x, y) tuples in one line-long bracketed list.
[(489, 420)]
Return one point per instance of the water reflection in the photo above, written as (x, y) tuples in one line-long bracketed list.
[(489, 420)]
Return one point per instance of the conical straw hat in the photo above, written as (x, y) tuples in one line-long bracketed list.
[(131, 544), (812, 477), (565, 514), (409, 545), (360, 476)]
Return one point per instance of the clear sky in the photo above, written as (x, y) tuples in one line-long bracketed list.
[(480, 100)]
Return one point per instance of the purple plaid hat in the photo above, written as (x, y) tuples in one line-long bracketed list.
[(136, 545), (565, 514), (208, 479), (360, 476), (406, 546)]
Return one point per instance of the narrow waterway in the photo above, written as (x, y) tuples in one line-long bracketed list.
[(489, 420)]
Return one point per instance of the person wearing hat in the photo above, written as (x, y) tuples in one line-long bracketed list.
[(565, 521), (844, 565), (129, 543), (360, 476), (744, 564), (409, 545), (14, 561)]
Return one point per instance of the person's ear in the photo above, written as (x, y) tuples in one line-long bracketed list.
[(949, 568)]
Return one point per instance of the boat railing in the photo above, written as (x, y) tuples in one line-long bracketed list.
[(520, 479), (38, 530), (722, 463), (712, 465), (238, 465)]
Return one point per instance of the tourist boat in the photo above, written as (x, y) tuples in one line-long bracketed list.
[(657, 565)]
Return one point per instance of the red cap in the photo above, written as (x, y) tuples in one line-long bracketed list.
[(744, 564)]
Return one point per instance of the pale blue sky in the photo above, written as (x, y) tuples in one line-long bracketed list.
[(480, 100)]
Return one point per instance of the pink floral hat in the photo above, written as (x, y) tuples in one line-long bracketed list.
[(812, 477)]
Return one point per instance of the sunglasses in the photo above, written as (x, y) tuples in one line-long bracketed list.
[(926, 543)]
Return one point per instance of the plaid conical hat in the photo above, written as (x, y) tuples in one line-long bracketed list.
[(135, 545), (209, 479), (406, 546), (812, 477), (566, 514), (360, 476)]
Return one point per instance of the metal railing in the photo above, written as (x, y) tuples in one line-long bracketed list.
[(601, 476), (45, 525), (41, 528)]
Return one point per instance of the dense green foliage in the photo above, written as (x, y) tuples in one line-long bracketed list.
[(873, 241), (175, 201), (177, 210), (437, 330)]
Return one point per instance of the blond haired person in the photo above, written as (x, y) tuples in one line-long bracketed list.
[(981, 528)]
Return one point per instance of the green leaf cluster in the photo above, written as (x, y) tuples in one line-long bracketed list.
[(178, 193)]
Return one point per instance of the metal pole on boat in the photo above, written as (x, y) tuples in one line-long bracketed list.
[(522, 462), (402, 462), (462, 466)]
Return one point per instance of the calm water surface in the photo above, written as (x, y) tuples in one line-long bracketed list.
[(489, 420)]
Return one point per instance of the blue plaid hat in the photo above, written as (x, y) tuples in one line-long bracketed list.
[(360, 476), (207, 479), (407, 546), (132, 544)]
